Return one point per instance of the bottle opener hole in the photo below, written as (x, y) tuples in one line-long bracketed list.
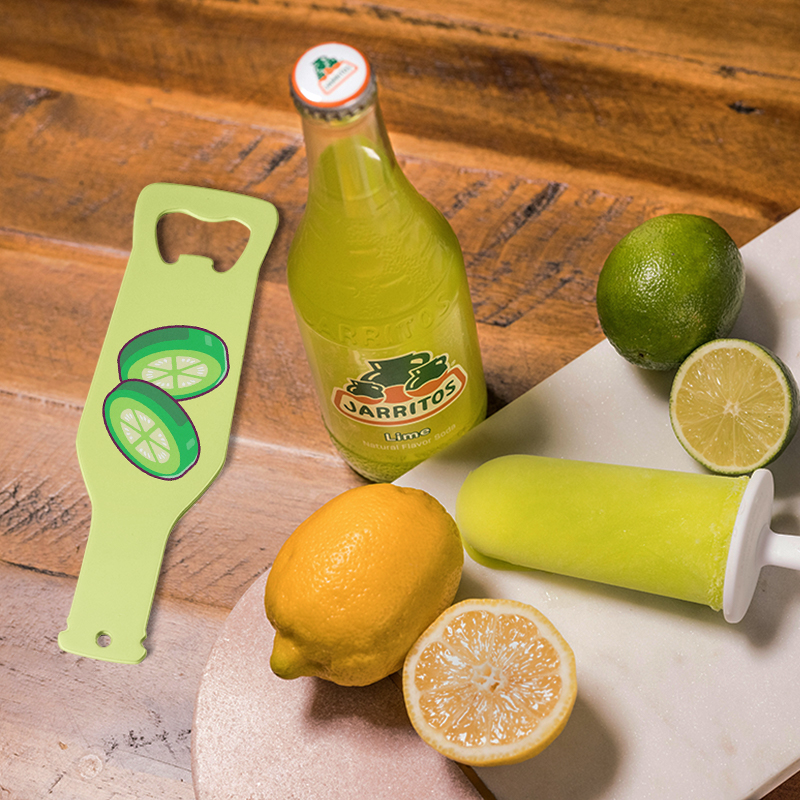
[(223, 242)]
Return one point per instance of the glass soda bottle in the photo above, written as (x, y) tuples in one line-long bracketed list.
[(377, 280)]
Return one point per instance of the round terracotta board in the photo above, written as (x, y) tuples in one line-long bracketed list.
[(258, 737)]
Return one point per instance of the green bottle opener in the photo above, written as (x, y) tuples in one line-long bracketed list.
[(155, 427)]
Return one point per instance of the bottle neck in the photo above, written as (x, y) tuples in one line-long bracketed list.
[(350, 161)]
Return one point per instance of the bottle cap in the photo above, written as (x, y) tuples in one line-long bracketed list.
[(333, 81)]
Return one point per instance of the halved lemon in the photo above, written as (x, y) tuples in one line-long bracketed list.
[(490, 682), (734, 406)]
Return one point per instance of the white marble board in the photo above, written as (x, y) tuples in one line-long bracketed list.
[(673, 702)]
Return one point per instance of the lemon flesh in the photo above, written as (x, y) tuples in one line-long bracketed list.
[(671, 284), (734, 406), (490, 682)]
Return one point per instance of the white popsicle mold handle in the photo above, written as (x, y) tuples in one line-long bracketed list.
[(754, 545)]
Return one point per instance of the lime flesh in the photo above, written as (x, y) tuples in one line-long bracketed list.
[(734, 406)]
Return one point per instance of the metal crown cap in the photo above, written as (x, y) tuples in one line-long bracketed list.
[(332, 80)]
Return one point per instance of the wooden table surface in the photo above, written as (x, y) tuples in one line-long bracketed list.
[(543, 129)]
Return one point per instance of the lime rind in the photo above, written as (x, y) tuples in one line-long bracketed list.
[(183, 360), (774, 443), (668, 286), (150, 429)]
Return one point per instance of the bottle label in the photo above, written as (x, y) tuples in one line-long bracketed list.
[(401, 390)]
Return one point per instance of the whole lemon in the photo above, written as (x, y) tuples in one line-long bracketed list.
[(670, 285), (356, 584)]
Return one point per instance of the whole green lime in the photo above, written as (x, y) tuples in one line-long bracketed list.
[(670, 285)]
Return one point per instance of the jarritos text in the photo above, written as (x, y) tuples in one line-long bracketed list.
[(401, 390)]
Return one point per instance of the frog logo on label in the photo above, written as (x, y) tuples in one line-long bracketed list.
[(401, 390), (332, 73)]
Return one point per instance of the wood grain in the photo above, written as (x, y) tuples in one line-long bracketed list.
[(533, 247), (598, 94), (72, 727)]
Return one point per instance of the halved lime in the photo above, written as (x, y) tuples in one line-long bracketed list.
[(734, 406), (182, 360), (150, 429)]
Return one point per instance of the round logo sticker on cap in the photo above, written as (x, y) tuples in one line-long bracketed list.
[(330, 75)]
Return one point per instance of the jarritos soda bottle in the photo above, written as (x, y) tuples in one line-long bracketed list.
[(377, 280)]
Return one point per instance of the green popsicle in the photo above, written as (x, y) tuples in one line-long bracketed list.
[(658, 531)]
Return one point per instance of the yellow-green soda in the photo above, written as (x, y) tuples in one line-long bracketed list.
[(377, 280)]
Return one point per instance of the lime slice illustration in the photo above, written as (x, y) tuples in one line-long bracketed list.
[(150, 429), (182, 360)]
